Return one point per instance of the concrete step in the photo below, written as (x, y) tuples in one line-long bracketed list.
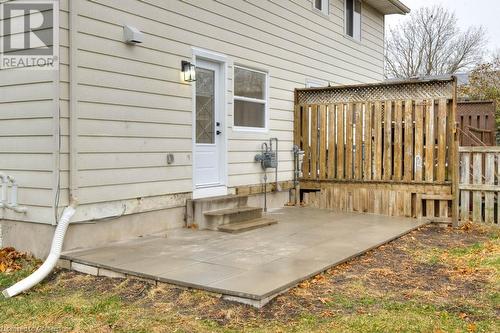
[(235, 228), (196, 209), (221, 217)]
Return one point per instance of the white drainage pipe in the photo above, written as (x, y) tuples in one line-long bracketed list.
[(50, 262)]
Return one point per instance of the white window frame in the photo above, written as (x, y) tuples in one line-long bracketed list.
[(353, 27), (264, 101), (325, 7)]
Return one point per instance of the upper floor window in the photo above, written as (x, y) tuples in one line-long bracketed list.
[(353, 18), (322, 5), (250, 99)]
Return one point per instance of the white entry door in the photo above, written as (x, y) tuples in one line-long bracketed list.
[(209, 136)]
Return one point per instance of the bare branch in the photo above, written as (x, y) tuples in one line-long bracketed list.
[(430, 43)]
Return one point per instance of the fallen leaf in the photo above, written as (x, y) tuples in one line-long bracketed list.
[(472, 327)]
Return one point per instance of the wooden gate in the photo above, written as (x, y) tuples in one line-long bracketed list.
[(383, 148), (480, 184)]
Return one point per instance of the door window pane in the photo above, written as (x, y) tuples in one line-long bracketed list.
[(249, 83), (205, 106)]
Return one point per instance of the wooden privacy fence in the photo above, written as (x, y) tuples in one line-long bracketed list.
[(480, 184), (383, 148), (477, 124)]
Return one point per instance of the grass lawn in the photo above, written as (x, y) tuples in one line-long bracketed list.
[(432, 280)]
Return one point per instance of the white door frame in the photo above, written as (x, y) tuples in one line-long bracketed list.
[(204, 192)]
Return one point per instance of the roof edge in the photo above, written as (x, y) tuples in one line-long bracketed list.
[(401, 6)]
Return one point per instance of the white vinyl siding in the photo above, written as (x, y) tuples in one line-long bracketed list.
[(27, 140), (134, 109)]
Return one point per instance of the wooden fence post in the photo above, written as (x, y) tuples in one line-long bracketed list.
[(455, 160)]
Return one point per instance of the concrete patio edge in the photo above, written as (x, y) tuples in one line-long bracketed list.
[(247, 298)]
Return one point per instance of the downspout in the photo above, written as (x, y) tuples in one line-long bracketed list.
[(73, 96), (62, 226), (51, 261)]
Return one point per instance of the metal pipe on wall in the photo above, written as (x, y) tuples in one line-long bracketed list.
[(3, 191), (13, 204)]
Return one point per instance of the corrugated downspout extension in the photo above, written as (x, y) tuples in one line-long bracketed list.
[(51, 261)]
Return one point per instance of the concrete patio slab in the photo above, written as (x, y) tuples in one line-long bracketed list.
[(255, 266)]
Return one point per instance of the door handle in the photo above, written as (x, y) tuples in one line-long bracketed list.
[(218, 132), (218, 124)]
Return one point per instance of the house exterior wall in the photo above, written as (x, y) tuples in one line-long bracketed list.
[(133, 108), (28, 136)]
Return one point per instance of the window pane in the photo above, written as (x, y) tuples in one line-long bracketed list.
[(318, 4), (205, 106), (357, 20), (249, 83), (249, 114), (349, 17)]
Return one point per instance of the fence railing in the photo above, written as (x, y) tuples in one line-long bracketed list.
[(480, 184)]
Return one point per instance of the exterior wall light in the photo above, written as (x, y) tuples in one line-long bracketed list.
[(188, 71)]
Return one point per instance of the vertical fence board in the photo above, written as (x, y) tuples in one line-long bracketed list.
[(429, 152), (441, 165), (448, 124), (331, 141), (464, 180), (358, 162), (388, 140), (340, 141), (408, 137), (296, 125), (477, 180), (314, 142), (322, 142), (367, 173), (419, 139), (429, 142), (305, 141), (489, 197), (377, 175), (349, 141), (398, 141)]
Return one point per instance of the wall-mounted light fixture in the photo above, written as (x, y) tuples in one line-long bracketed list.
[(188, 71)]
